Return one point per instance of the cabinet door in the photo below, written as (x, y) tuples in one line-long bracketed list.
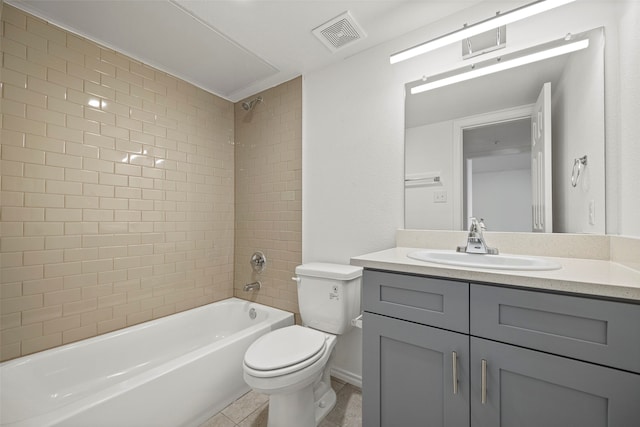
[(528, 388), (408, 374)]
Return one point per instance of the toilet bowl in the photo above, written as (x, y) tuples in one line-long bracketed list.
[(292, 364)]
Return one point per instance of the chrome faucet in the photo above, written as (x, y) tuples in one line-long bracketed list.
[(475, 240), (255, 286)]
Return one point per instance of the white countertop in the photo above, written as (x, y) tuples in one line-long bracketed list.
[(577, 275)]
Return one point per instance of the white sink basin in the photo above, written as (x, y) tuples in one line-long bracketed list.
[(499, 262)]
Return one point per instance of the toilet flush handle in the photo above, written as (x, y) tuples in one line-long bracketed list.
[(296, 279)]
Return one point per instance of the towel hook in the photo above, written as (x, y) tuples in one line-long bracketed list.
[(578, 163)]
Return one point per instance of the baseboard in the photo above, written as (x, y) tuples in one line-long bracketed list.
[(347, 377)]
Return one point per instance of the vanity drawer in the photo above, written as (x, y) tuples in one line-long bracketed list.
[(429, 301), (599, 331)]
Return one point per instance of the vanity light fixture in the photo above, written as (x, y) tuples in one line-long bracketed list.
[(480, 27), (516, 59)]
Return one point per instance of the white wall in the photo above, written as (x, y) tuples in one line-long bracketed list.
[(353, 132), (628, 96), (579, 98), (429, 149)]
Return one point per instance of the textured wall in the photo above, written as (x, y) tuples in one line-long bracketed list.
[(268, 173), (629, 81), (117, 190)]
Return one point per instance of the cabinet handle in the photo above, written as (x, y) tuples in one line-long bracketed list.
[(483, 397), (455, 371)]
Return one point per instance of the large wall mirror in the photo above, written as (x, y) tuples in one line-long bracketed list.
[(472, 148)]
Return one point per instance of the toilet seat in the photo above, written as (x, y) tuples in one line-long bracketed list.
[(284, 351)]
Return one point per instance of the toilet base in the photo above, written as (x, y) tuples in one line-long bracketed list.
[(301, 408), (325, 404)]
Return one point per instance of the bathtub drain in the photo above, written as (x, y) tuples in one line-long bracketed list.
[(252, 313)]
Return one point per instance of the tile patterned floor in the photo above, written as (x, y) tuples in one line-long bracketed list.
[(251, 410)]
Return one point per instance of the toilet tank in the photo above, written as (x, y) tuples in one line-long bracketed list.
[(328, 295)]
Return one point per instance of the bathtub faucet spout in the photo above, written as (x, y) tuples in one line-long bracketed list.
[(255, 286)]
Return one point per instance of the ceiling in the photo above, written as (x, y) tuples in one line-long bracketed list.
[(235, 48)]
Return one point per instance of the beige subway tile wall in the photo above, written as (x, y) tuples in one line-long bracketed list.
[(117, 189), (269, 194)]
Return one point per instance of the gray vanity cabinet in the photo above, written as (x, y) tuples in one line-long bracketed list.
[(415, 375), (527, 388), (557, 380), (522, 358)]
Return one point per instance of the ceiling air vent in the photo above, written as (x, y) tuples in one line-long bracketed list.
[(339, 32)]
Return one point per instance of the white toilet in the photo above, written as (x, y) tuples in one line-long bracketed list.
[(291, 364)]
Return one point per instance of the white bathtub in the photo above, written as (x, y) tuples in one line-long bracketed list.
[(174, 371)]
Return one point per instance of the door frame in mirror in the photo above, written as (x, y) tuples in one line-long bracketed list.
[(459, 126)]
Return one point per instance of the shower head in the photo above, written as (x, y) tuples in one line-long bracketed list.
[(249, 105)]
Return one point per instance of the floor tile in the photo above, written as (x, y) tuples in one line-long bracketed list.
[(348, 409), (252, 409), (218, 420), (245, 406), (337, 384), (257, 418), (327, 423)]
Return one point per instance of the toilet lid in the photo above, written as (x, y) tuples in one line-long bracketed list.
[(284, 347)]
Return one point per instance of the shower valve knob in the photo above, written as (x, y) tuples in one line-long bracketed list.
[(258, 262)]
